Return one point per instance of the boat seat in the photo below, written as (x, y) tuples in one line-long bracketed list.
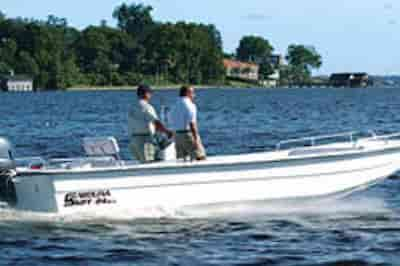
[(101, 146)]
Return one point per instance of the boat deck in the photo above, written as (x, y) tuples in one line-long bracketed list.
[(89, 164)]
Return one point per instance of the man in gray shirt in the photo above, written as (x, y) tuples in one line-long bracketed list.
[(143, 123)]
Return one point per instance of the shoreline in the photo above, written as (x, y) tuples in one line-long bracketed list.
[(160, 87), (132, 88), (208, 87)]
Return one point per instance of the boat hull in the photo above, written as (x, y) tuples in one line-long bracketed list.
[(191, 184)]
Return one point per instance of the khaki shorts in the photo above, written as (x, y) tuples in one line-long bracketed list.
[(186, 148), (143, 149)]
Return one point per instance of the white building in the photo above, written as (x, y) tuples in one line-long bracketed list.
[(276, 61), (241, 70), (16, 83)]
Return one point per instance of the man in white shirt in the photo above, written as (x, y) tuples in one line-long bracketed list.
[(143, 122), (184, 122)]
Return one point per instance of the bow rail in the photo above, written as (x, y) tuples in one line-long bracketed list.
[(312, 140), (386, 138)]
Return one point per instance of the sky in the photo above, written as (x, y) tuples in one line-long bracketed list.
[(351, 35)]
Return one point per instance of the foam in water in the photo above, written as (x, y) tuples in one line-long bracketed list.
[(9, 215), (326, 207), (347, 206)]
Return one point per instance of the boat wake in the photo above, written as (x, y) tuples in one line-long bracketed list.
[(330, 208), (337, 207)]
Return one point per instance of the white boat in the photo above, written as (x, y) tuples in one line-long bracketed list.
[(101, 181)]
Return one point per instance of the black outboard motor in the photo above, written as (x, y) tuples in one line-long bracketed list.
[(7, 172)]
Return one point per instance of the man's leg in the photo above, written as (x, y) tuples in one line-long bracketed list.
[(180, 140), (136, 148), (149, 150), (143, 149), (199, 152), (189, 146)]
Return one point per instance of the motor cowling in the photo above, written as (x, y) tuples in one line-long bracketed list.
[(6, 155), (7, 171), (165, 148)]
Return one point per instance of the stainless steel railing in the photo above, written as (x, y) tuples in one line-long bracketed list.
[(386, 138), (350, 136), (312, 140)]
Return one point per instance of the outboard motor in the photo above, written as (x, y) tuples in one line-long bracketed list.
[(165, 148), (7, 172)]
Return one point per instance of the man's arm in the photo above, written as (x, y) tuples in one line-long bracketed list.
[(153, 118), (160, 127)]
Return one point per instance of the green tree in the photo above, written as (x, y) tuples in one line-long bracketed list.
[(2, 16), (91, 44), (254, 49), (161, 50), (8, 49), (184, 53), (212, 66), (45, 44), (302, 60), (134, 19), (26, 64), (59, 56), (107, 53)]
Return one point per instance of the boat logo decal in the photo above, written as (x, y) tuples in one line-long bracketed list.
[(97, 197)]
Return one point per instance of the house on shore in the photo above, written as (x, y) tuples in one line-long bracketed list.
[(277, 62), (241, 70), (350, 80), (16, 83)]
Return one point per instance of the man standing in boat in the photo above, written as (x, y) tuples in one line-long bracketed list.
[(143, 122), (184, 122)]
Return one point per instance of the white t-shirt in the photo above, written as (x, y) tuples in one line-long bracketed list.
[(182, 114), (141, 118)]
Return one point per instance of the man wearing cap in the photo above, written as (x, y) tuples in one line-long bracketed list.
[(184, 122), (143, 122)]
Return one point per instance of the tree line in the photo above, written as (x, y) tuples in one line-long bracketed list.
[(139, 50)]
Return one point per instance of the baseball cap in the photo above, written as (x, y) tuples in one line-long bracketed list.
[(142, 89)]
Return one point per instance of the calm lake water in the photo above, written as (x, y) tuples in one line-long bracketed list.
[(363, 229)]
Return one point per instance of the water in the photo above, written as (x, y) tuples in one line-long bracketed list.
[(362, 229)]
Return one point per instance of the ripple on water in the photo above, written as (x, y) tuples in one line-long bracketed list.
[(362, 229)]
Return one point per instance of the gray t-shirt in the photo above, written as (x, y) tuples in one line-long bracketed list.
[(141, 118)]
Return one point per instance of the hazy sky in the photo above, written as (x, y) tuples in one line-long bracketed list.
[(351, 35)]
